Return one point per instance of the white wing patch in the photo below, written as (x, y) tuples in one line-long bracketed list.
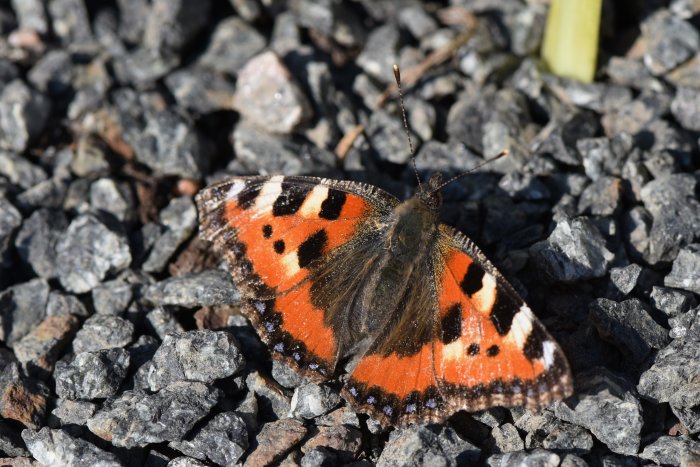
[(291, 263), (270, 191), (235, 189), (486, 296), (521, 328), (548, 349), (312, 203)]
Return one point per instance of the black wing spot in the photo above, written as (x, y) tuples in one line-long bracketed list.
[(311, 249), (248, 196), (278, 246), (534, 343), (290, 199), (504, 309), (473, 349), (493, 351), (452, 324), (472, 280), (332, 205), (267, 231)]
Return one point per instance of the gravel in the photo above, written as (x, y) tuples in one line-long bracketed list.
[(121, 337)]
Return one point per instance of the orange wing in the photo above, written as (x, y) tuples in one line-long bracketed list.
[(273, 231), (487, 347), (492, 349)]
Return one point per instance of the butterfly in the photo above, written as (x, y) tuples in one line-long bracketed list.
[(340, 277)]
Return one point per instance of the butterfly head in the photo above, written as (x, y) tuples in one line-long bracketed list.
[(429, 193)]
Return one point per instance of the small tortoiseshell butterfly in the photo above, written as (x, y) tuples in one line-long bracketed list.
[(338, 274)]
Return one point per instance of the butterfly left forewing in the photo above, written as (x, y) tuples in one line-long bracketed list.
[(491, 349), (275, 232)]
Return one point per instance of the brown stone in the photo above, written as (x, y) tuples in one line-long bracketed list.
[(275, 440), (39, 350), (22, 398), (346, 440)]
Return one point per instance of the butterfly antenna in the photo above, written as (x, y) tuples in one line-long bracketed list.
[(503, 153), (397, 77)]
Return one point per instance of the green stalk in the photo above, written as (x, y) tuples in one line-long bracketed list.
[(570, 46)]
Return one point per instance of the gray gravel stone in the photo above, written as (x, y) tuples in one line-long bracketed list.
[(272, 401), (53, 73), (285, 375), (64, 304), (20, 171), (211, 287), (113, 197), (259, 152), (673, 368), (71, 412), (379, 53), (56, 447), (10, 221), (185, 461), (685, 108), (417, 21), (268, 96), (201, 90), (313, 400), (23, 114), (606, 405), (685, 273), (90, 160), (71, 23), (628, 326), (232, 44), (546, 431), (22, 307), (319, 457), (172, 24), (112, 297), (670, 301), (625, 279), (92, 375), (506, 438), (203, 356), (669, 450), (89, 251), (538, 457), (670, 41), (36, 240), (101, 332), (223, 440), (675, 209), (388, 137), (31, 15), (135, 418), (11, 443), (420, 445), (574, 251), (602, 197), (163, 140), (179, 221), (163, 322)]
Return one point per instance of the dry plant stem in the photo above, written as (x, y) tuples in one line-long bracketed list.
[(346, 142)]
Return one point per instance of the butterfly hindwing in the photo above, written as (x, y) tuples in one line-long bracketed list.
[(274, 232)]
